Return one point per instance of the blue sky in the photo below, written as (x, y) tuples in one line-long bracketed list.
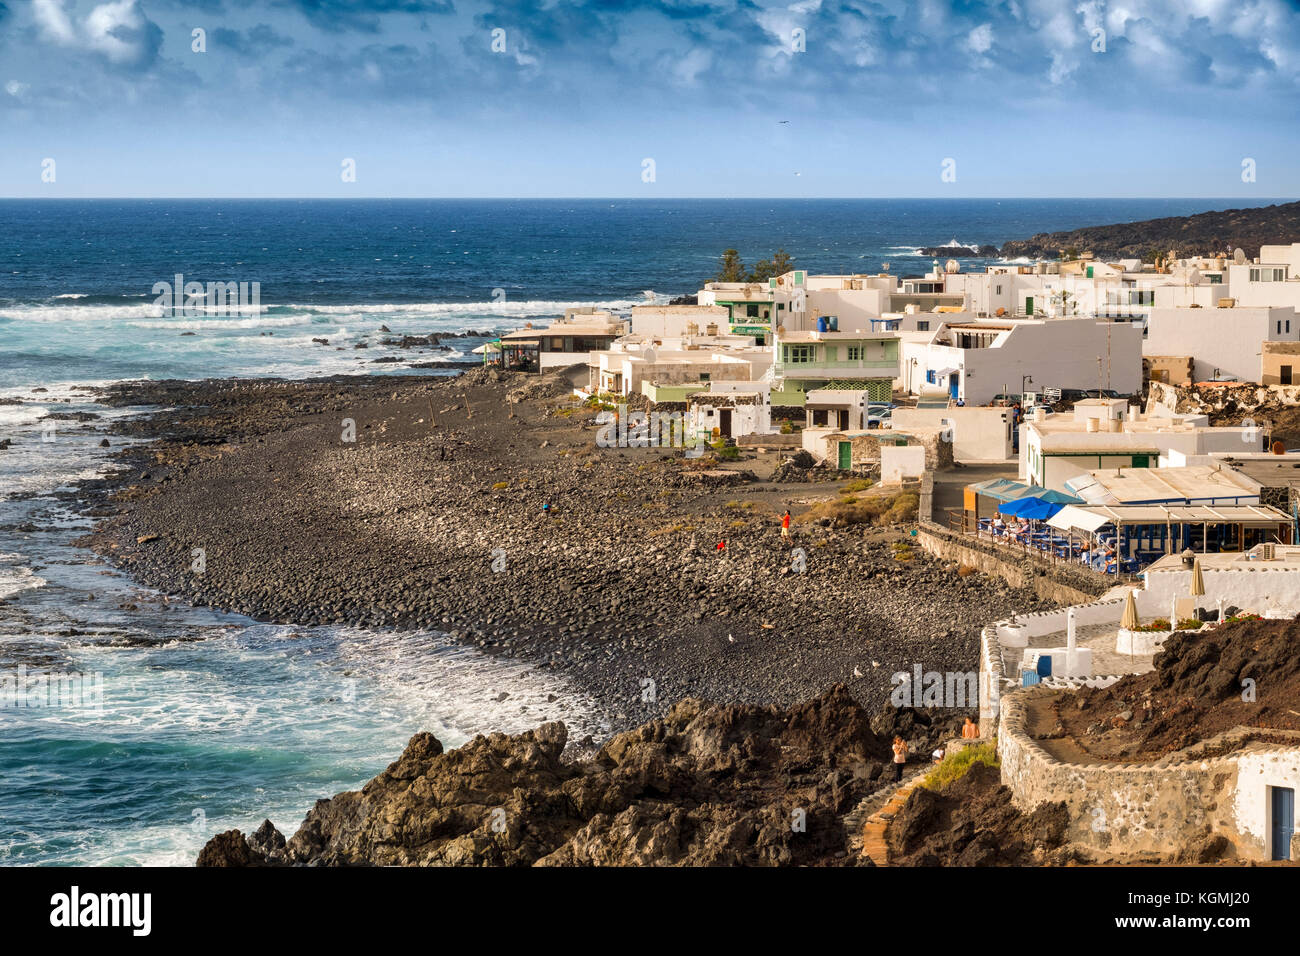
[(1027, 97)]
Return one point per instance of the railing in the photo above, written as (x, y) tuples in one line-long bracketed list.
[(960, 522)]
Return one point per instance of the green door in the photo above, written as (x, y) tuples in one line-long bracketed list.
[(846, 455), (1141, 461), (1029, 305)]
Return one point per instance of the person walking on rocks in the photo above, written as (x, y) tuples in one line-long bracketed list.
[(785, 524), (900, 757)]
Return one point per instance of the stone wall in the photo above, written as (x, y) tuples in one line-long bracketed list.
[(1062, 584), (1149, 810)]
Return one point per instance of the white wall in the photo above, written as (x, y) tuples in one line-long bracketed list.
[(901, 461), (1226, 339), (978, 433)]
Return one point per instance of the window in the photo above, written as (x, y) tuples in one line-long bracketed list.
[(923, 326), (780, 307), (1215, 279), (1288, 325), (795, 354), (751, 311), (1279, 326), (855, 353), (1267, 275), (767, 313), (999, 290)]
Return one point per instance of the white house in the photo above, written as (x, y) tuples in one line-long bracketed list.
[(976, 360), (1108, 434), (1225, 343)]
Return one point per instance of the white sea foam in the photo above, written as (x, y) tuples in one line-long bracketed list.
[(15, 579)]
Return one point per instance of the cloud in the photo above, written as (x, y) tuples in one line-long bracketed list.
[(118, 30), (364, 15), (253, 42)]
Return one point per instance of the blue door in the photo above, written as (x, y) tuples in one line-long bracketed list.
[(953, 382), (1283, 821)]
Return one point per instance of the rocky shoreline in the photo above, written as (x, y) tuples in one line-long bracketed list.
[(729, 785), (433, 518)]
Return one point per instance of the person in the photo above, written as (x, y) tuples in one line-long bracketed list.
[(785, 524), (937, 756), (546, 508), (970, 730), (961, 403), (900, 757)]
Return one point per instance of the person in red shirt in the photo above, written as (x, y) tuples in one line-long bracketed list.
[(785, 524)]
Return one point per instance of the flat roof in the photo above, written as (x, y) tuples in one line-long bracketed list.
[(1188, 483), (1287, 558), (813, 336)]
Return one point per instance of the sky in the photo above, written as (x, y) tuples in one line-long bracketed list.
[(664, 98)]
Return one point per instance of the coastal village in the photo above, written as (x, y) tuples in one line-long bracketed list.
[(990, 567), (1122, 436)]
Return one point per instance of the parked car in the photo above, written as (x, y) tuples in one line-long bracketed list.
[(880, 417)]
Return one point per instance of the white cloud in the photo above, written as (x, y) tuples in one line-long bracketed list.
[(16, 90), (116, 29), (980, 40)]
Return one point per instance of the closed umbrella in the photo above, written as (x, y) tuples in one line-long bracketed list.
[(1129, 620), (1198, 583)]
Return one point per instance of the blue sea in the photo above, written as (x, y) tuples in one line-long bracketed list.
[(206, 721)]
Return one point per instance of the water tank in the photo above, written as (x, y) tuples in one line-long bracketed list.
[(834, 321), (821, 323)]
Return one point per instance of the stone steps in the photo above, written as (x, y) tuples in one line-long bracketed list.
[(876, 825)]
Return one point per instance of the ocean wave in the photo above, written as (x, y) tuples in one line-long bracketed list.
[(303, 311), (14, 580)]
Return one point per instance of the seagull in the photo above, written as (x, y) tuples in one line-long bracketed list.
[(781, 122), (730, 639), (875, 663), (857, 672)]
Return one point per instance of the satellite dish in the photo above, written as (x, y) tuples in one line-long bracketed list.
[(952, 266), (648, 354), (1239, 256)]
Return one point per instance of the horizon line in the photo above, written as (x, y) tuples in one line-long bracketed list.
[(628, 198)]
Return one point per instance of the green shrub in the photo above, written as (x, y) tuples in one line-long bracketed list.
[(954, 766), (858, 484)]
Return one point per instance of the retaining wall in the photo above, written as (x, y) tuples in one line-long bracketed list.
[(1158, 808), (1062, 585)]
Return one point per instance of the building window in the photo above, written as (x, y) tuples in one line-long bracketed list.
[(780, 307), (795, 354), (1215, 279), (855, 353), (923, 326), (751, 311)]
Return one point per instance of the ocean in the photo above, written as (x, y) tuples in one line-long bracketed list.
[(200, 721)]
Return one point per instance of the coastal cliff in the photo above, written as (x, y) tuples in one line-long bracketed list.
[(1207, 233)]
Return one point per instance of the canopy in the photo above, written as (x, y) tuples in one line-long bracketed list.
[(1091, 517), (1032, 507), (1004, 489)]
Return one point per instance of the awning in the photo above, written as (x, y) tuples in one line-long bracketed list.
[(1075, 518), (1031, 507), (1006, 489), (1091, 517), (945, 371)]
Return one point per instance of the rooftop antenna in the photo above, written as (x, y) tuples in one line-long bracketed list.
[(1239, 256)]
